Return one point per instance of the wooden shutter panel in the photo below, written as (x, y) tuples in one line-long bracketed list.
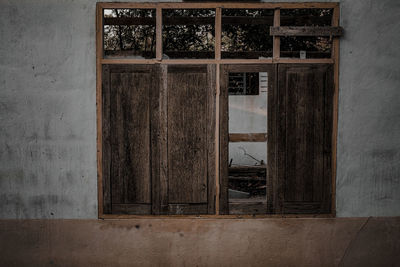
[(189, 185), (304, 138), (128, 91)]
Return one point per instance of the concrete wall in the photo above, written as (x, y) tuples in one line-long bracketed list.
[(349, 242), (48, 113)]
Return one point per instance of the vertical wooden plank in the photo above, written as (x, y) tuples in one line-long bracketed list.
[(271, 137), (218, 32), (329, 146), (155, 139), (281, 139), (319, 81), (99, 53), (118, 187), (210, 136), (130, 135), (163, 139), (277, 39), (305, 137), (223, 141), (335, 56), (159, 49), (217, 136), (106, 145), (187, 135)]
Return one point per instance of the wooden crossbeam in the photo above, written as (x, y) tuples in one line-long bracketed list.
[(306, 31), (247, 137), (231, 20)]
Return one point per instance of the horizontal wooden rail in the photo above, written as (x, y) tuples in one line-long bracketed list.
[(231, 20), (248, 137), (306, 31), (197, 5)]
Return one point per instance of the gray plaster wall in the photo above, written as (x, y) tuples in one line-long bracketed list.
[(48, 109)]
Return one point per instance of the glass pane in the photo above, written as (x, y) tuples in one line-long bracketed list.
[(129, 33), (188, 33), (306, 17), (245, 33)]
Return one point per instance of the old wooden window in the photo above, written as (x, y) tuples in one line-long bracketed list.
[(224, 109)]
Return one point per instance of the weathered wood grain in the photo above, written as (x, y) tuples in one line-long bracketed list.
[(306, 31), (304, 138), (247, 137)]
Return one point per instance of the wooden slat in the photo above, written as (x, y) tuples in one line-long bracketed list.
[(272, 139), (218, 33), (277, 40), (247, 168), (106, 140), (215, 5), (306, 31), (226, 20), (303, 208), (217, 136), (163, 139), (211, 151), (155, 142), (247, 137), (222, 61), (335, 57), (223, 140), (159, 47), (137, 209)]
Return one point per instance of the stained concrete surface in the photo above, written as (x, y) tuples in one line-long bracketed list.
[(201, 242), (48, 111)]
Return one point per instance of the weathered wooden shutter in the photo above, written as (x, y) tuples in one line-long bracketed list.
[(129, 92), (304, 138), (187, 177), (158, 139)]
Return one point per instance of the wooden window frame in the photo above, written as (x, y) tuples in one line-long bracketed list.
[(100, 61)]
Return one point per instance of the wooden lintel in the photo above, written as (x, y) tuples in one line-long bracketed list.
[(306, 31), (248, 137), (231, 20)]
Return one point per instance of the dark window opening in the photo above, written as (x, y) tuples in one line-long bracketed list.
[(243, 83), (188, 33), (129, 33), (306, 46), (245, 33)]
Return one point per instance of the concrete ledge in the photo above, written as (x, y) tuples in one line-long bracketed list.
[(201, 242)]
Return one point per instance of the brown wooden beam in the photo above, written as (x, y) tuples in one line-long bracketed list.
[(306, 31), (231, 20), (248, 137)]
